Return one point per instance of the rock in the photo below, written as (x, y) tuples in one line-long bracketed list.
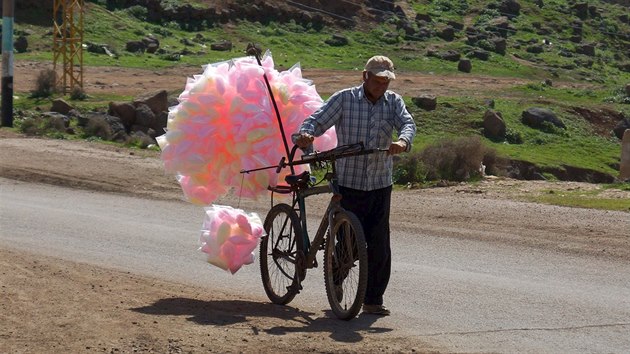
[(586, 49), (424, 17), (450, 55), (621, 127), (535, 49), (464, 65), (581, 10), (337, 40), (125, 111), (61, 106), (624, 167), (447, 34), (222, 46), (144, 116), (494, 125), (426, 102), (510, 7), (157, 101), (135, 47), (536, 117), (500, 45), (480, 54), (20, 44)]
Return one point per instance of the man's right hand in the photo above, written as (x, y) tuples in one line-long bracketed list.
[(304, 140)]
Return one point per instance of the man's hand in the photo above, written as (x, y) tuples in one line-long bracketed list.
[(304, 140), (397, 147)]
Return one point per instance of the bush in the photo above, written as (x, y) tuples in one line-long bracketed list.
[(97, 127), (459, 159), (408, 168), (45, 85), (77, 93), (139, 12), (43, 126)]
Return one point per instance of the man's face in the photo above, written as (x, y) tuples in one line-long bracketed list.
[(375, 86)]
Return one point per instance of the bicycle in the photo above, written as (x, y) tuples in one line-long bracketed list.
[(286, 252)]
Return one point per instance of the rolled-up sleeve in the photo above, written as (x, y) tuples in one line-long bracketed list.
[(405, 125)]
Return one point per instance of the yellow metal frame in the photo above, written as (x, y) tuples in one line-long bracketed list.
[(68, 43)]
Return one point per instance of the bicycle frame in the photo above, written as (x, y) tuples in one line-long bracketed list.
[(299, 204), (300, 191)]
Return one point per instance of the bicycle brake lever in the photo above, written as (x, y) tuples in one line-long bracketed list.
[(281, 164)]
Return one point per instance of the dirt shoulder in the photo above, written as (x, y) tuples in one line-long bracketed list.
[(52, 305), (132, 81)]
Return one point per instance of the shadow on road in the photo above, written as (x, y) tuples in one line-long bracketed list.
[(229, 312)]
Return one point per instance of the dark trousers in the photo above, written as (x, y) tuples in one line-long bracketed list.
[(372, 209)]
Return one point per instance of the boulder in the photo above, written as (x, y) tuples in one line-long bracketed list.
[(464, 65), (426, 102), (144, 116), (447, 33), (586, 49), (157, 101), (125, 111), (337, 40), (135, 47), (536, 117), (20, 44), (494, 125), (510, 7), (61, 106), (624, 166), (223, 46), (621, 127)]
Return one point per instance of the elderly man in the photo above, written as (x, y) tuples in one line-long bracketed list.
[(367, 113)]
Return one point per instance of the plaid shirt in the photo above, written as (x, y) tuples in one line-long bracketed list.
[(356, 119)]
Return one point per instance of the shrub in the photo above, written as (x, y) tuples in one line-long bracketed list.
[(513, 136), (141, 141), (42, 126), (139, 12), (45, 85), (456, 159), (77, 93), (408, 168), (97, 127)]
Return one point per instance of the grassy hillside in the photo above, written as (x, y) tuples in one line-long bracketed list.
[(560, 41)]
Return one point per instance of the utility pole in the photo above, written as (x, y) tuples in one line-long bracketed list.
[(7, 62)]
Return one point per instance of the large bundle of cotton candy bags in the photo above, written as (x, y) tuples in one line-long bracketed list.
[(225, 123)]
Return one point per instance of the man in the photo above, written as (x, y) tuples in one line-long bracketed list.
[(368, 113)]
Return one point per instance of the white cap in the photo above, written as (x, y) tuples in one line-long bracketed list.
[(381, 66)]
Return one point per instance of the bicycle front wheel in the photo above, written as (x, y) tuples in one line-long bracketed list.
[(345, 266), (281, 252)]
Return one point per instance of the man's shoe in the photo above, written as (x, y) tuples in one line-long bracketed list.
[(379, 310)]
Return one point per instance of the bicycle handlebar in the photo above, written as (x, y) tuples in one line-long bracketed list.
[(356, 149), (339, 152)]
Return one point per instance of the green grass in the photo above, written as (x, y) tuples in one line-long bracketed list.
[(594, 87), (582, 199)]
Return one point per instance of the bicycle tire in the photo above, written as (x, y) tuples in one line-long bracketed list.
[(345, 265), (280, 251)]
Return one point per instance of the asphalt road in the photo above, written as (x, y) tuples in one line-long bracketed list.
[(465, 295)]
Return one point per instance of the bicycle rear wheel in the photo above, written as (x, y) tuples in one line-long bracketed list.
[(280, 253), (345, 266)]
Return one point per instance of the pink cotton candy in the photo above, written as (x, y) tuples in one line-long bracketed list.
[(225, 122), (229, 237)]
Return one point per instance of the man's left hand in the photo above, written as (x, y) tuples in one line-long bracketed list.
[(397, 147)]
